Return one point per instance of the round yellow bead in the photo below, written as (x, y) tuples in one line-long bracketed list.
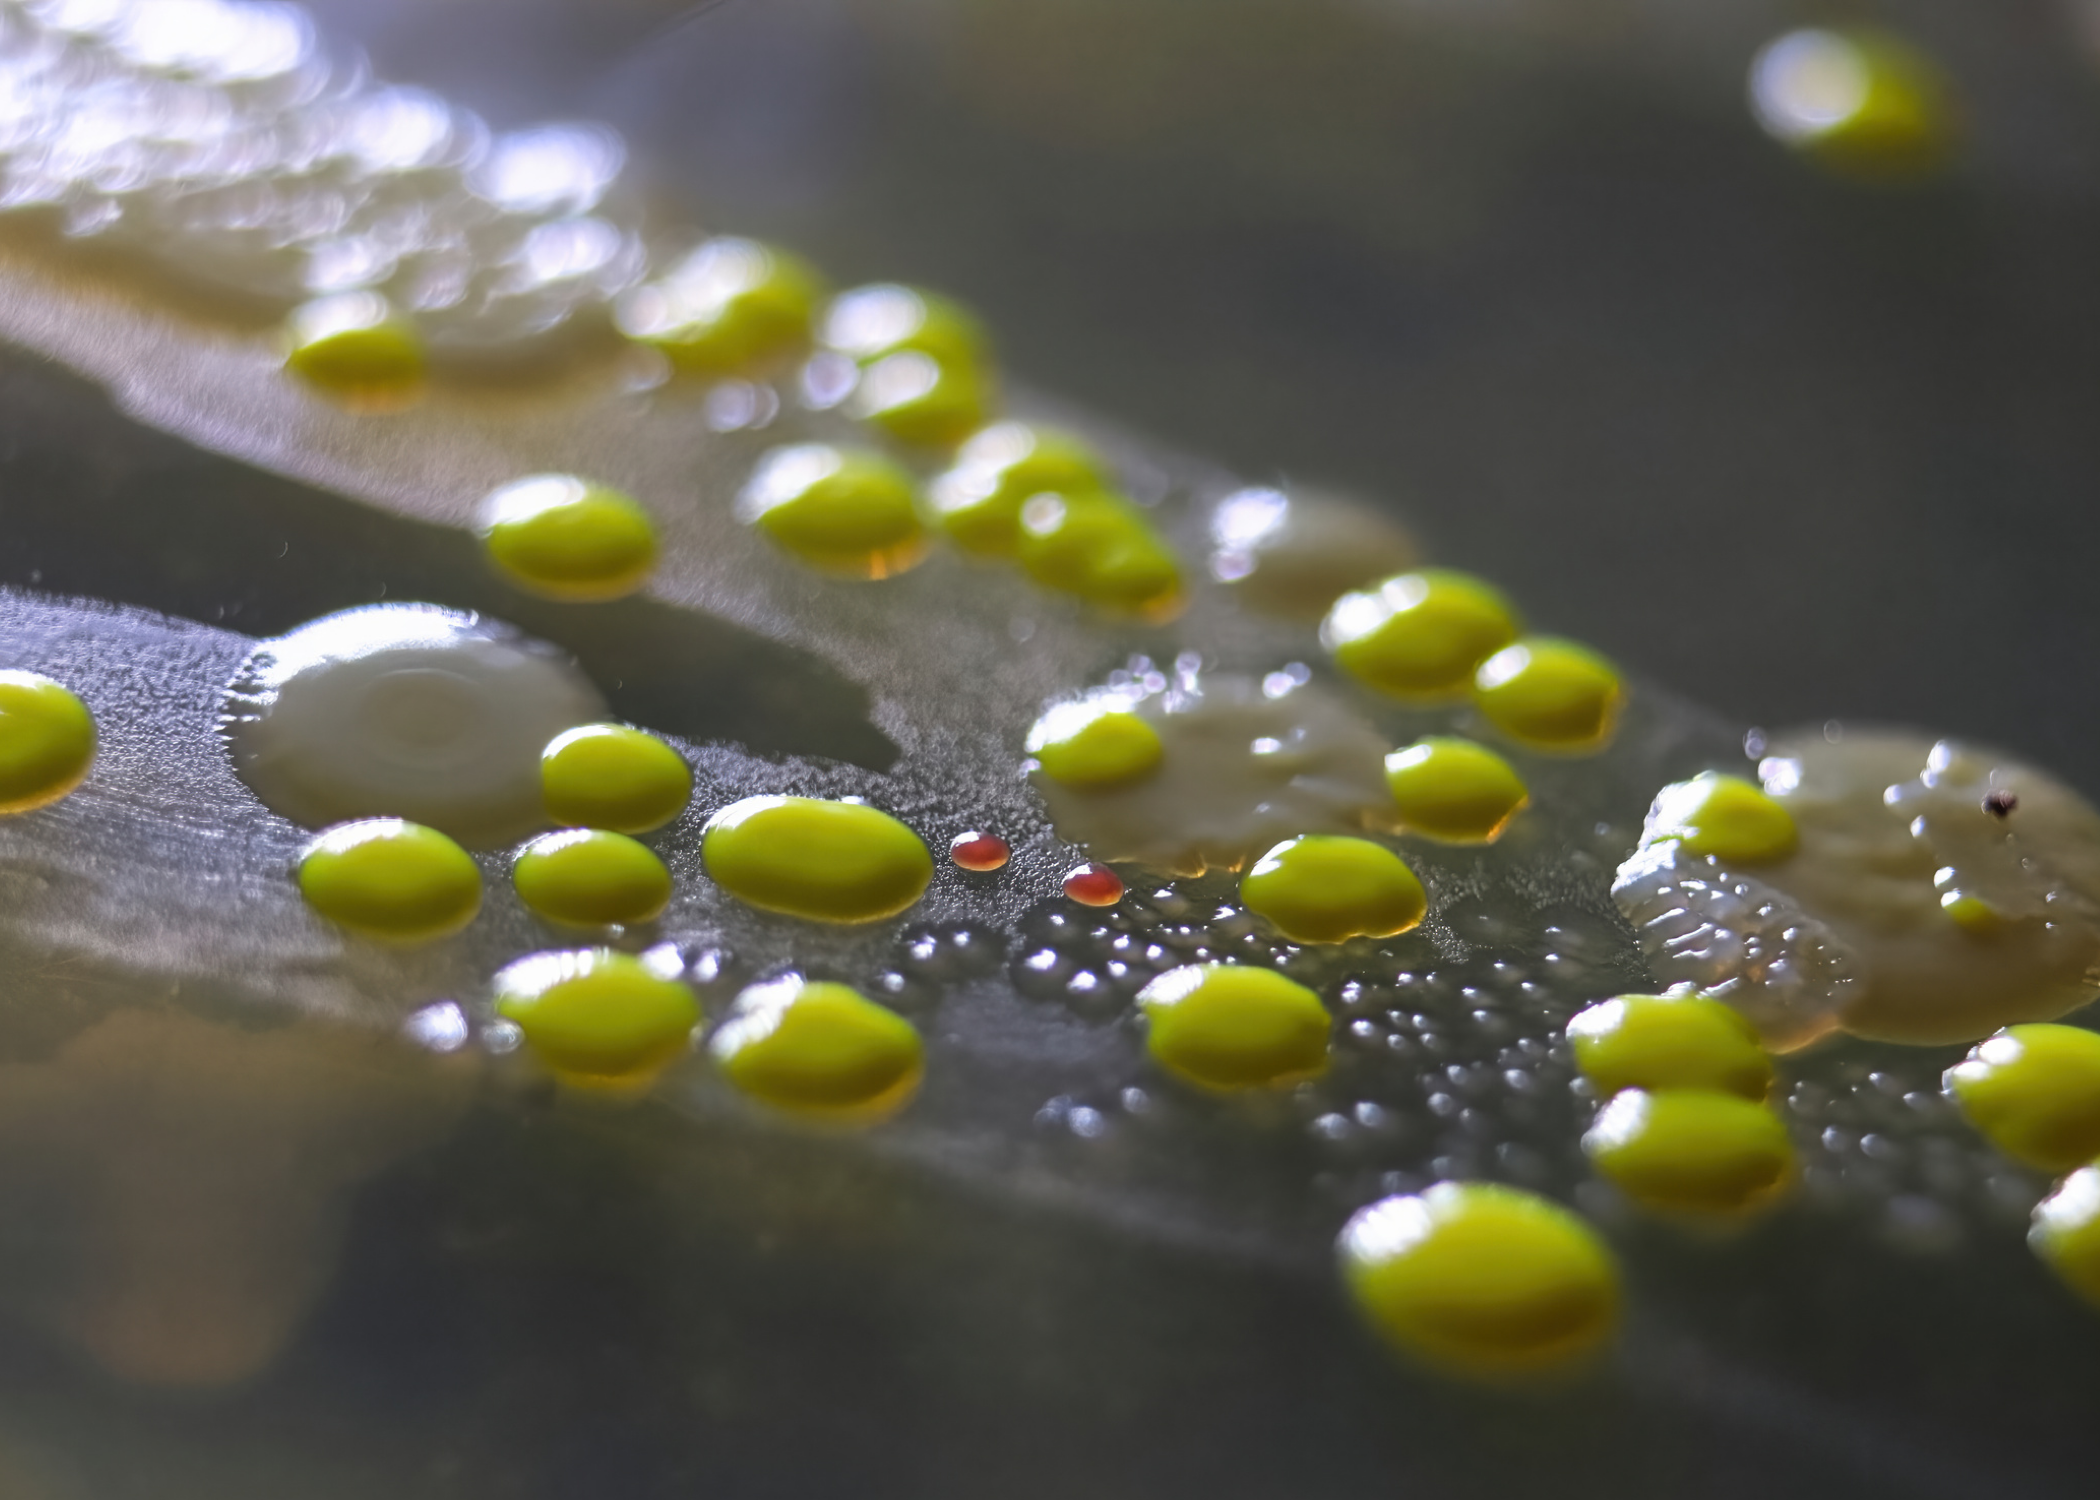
[(610, 776), (1482, 1281), (1691, 1150), (47, 741), (559, 537), (595, 1014), (977, 502), (1725, 816), (1454, 790), (819, 1050), (1675, 1041), (589, 877), (918, 399), (730, 307), (2035, 1092), (843, 511), (1861, 101), (354, 346), (1224, 1026), (1419, 635), (868, 323), (391, 879), (806, 857), (2066, 1232), (1550, 694), (1091, 745), (1102, 549), (1325, 888)]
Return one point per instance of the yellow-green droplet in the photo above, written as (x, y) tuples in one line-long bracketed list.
[(592, 878), (560, 537), (1972, 913), (806, 857), (1226, 1026), (595, 1014), (2035, 1092), (729, 308), (1454, 790), (1101, 548), (47, 741), (918, 399), (1725, 816), (841, 510), (1326, 888), (868, 323), (1091, 745), (1480, 1280), (2066, 1232), (1862, 101), (355, 347), (977, 502), (390, 879), (1691, 1150), (610, 776), (1421, 634), (1675, 1041), (1550, 694), (819, 1050)]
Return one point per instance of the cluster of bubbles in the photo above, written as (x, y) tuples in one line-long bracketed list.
[(224, 141)]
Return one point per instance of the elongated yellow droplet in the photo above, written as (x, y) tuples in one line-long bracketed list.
[(1482, 1281), (1327, 888), (47, 741), (820, 1050), (807, 857)]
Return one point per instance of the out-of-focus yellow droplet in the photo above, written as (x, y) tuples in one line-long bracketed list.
[(391, 879), (819, 1050), (2035, 1092), (1696, 1151), (596, 1015), (1101, 548), (977, 502), (47, 741), (1229, 1026), (1550, 694), (731, 307), (1328, 888), (1421, 634), (1454, 790), (354, 347), (1090, 745), (2066, 1232), (841, 510), (1861, 101), (1482, 1281), (562, 538), (1733, 820), (1673, 1041)]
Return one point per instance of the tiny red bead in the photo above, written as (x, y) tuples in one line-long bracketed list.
[(980, 851), (1094, 885)]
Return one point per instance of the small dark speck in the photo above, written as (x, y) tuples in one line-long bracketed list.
[(2001, 803)]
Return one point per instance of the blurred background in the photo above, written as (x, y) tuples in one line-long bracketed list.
[(1795, 409)]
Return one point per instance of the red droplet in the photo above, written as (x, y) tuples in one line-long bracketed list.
[(980, 851), (1094, 885)]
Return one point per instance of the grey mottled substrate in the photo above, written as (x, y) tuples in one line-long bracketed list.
[(1056, 1270)]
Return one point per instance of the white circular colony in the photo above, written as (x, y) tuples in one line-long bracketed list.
[(407, 711), (1936, 893), (1244, 766)]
